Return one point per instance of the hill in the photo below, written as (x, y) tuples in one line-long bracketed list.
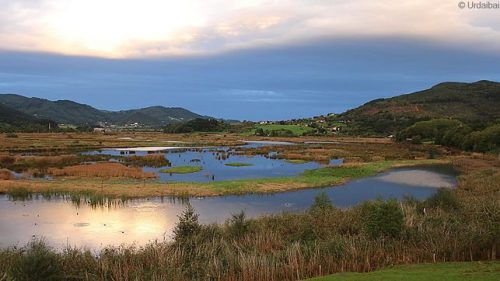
[(475, 104), (70, 112), (154, 115), (13, 120)]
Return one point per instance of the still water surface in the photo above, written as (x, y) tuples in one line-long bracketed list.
[(214, 162), (141, 221)]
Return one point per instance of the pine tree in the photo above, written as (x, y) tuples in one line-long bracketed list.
[(188, 224)]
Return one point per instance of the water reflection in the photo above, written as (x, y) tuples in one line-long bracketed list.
[(145, 220), (214, 163)]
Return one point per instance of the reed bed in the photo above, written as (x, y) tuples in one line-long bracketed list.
[(151, 160), (6, 174), (102, 170)]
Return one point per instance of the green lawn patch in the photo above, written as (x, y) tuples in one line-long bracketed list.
[(297, 130), (481, 271), (296, 161), (238, 164), (182, 170)]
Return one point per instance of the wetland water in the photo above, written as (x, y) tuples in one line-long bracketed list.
[(214, 162), (141, 221)]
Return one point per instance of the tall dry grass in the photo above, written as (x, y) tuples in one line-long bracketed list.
[(6, 174), (151, 160), (104, 170)]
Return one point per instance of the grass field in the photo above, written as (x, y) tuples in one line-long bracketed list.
[(296, 161), (297, 130), (477, 271)]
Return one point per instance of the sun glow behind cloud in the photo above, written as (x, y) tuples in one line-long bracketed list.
[(106, 26), (132, 28)]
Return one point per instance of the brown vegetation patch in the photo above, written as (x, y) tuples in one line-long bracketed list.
[(59, 160), (151, 160), (6, 175), (113, 170)]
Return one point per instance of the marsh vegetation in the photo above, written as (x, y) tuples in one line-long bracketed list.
[(322, 240)]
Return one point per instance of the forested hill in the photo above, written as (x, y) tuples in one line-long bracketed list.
[(70, 112), (13, 120), (475, 104)]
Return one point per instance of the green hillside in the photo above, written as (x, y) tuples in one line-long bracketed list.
[(13, 120), (69, 112), (476, 104), (62, 111), (154, 115)]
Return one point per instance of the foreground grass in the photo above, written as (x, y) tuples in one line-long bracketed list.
[(480, 271), (182, 170), (327, 176)]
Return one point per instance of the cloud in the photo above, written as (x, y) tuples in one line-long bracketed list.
[(281, 82), (131, 28)]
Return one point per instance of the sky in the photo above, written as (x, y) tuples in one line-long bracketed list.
[(246, 60)]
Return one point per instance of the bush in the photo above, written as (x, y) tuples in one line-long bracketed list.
[(384, 219), (39, 263), (444, 199), (259, 132), (6, 161)]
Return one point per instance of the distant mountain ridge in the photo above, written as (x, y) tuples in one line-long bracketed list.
[(14, 120), (70, 112), (476, 104)]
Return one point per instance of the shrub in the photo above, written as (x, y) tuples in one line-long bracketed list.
[(6, 161), (259, 132), (38, 262), (444, 199), (384, 219)]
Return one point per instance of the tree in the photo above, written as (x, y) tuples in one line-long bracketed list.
[(239, 225), (188, 224), (321, 203)]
